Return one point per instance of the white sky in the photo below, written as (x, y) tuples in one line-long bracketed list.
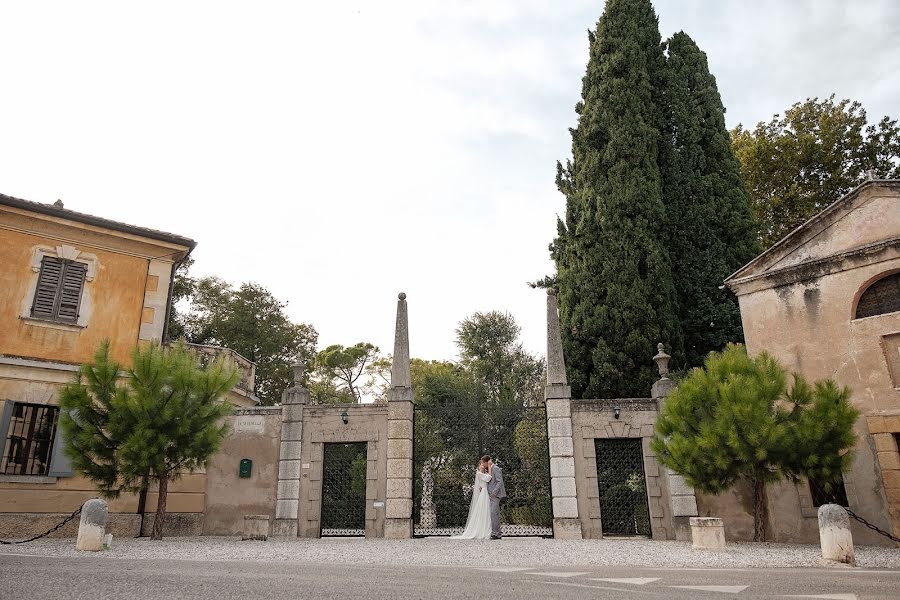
[(340, 152)]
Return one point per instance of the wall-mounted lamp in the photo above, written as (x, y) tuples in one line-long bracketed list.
[(616, 411), (346, 419)]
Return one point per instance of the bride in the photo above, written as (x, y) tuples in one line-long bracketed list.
[(478, 525)]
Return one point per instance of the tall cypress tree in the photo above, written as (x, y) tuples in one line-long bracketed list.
[(616, 295), (710, 224)]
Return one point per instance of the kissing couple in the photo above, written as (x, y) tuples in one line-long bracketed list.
[(484, 510)]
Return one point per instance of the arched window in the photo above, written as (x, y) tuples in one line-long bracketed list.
[(881, 297)]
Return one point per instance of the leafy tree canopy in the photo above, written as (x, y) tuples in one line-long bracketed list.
[(341, 368), (737, 418), (797, 164), (252, 322)]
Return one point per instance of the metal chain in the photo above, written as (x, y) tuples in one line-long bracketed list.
[(46, 533), (872, 527)]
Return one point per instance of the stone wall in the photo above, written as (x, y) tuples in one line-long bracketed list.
[(255, 434), (592, 419)]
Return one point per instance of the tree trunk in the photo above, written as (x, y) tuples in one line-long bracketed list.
[(142, 504), (760, 511), (159, 521)]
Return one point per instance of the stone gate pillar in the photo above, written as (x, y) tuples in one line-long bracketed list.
[(682, 499), (399, 500), (287, 500), (558, 397)]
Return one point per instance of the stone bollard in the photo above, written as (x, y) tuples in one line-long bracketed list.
[(707, 533), (92, 527), (834, 534), (256, 527)]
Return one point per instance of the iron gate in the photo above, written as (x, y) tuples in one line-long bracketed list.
[(344, 490), (448, 443), (623, 491)]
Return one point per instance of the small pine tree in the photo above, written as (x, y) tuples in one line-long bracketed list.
[(737, 419), (616, 296), (164, 421), (711, 232)]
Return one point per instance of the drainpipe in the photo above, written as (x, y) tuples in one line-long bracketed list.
[(175, 265)]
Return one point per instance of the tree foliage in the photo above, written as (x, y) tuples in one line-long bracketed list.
[(738, 418), (616, 295), (163, 421), (797, 164), (710, 227), (340, 368), (491, 352), (252, 322)]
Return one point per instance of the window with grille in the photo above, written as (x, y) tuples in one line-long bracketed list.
[(28, 444), (58, 293), (837, 494), (881, 297)]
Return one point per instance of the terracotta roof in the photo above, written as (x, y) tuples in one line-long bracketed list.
[(59, 211)]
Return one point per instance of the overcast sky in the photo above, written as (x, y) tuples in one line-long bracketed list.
[(340, 152)]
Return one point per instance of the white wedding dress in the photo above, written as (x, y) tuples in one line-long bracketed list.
[(478, 525)]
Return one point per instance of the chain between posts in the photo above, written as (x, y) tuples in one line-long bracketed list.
[(46, 533), (872, 527)]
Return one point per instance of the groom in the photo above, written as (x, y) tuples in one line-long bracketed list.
[(497, 491)]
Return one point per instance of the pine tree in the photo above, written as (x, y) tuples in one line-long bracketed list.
[(738, 419), (617, 300), (711, 232), (164, 420)]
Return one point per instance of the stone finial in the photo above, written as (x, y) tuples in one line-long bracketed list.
[(58, 204), (662, 361), (870, 175), (556, 364), (400, 377), (299, 368)]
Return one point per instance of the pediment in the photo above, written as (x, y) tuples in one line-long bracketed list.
[(866, 218)]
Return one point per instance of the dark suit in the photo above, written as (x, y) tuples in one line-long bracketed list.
[(497, 491)]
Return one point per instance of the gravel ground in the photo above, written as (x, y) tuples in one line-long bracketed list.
[(445, 552)]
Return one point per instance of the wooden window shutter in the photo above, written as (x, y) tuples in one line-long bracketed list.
[(59, 288), (70, 291), (44, 305)]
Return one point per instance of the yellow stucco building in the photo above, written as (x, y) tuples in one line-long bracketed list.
[(68, 281)]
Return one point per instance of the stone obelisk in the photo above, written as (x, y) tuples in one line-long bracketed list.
[(558, 396), (399, 500)]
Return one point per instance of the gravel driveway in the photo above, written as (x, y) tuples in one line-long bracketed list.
[(442, 551)]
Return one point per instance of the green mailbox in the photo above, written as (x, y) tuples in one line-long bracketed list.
[(245, 468)]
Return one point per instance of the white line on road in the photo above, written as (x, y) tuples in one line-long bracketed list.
[(504, 569), (631, 580), (726, 589), (828, 596), (591, 587), (560, 573)]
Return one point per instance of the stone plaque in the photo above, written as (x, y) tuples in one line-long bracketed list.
[(249, 424), (378, 504)]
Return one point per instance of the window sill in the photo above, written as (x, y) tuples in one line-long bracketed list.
[(53, 324), (27, 479)]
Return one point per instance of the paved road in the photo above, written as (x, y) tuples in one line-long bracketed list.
[(26, 577)]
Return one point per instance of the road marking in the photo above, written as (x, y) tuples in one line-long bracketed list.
[(590, 587), (726, 589), (560, 573), (631, 580), (828, 596), (503, 569)]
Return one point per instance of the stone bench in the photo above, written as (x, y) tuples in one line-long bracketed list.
[(707, 533)]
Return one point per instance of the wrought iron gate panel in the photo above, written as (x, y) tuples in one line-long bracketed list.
[(344, 490), (623, 488), (448, 443)]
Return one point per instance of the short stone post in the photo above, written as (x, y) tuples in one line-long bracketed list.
[(92, 526), (682, 499), (287, 502), (834, 534), (256, 527), (707, 533), (398, 522), (558, 401)]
